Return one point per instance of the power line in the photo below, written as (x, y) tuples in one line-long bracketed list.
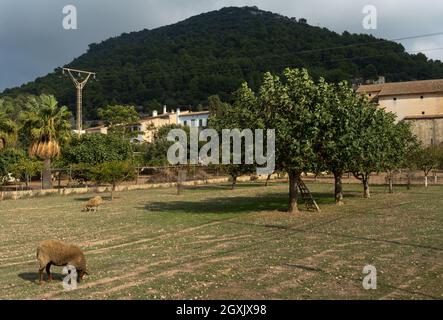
[(426, 35)]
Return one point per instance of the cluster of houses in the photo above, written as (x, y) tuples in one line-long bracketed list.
[(417, 102), (147, 127)]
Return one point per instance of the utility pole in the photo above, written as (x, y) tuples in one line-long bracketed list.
[(79, 84)]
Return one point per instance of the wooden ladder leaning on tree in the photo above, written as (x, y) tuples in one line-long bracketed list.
[(307, 196)]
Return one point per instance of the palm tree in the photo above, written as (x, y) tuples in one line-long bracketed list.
[(8, 128), (47, 127)]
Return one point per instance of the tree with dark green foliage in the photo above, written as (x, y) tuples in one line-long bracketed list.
[(373, 149), (25, 169), (113, 173), (427, 159), (92, 149), (89, 150), (215, 105), (339, 129), (238, 116), (119, 119), (9, 157), (399, 142), (290, 106), (8, 128)]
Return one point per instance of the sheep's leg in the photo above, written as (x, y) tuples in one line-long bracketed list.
[(48, 271), (40, 273)]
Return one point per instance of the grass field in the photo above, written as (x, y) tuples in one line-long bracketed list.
[(215, 243)]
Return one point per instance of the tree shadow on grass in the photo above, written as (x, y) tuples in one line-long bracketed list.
[(34, 277), (223, 186), (229, 205)]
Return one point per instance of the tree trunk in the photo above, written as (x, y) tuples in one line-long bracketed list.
[(267, 180), (338, 188), (409, 180), (46, 174), (293, 192), (426, 181), (112, 191), (391, 183), (179, 188), (366, 193), (234, 182), (181, 176)]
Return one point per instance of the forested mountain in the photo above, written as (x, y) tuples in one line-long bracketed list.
[(212, 53)]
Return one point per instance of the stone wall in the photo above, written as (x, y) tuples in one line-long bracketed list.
[(428, 129)]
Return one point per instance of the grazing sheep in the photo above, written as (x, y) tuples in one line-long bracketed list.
[(57, 253), (93, 204)]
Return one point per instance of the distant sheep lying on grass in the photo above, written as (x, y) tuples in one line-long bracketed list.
[(93, 204), (57, 253)]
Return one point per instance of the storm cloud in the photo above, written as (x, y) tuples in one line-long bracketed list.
[(33, 41)]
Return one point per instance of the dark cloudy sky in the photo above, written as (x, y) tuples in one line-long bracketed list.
[(33, 41)]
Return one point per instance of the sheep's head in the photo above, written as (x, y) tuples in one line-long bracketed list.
[(81, 274)]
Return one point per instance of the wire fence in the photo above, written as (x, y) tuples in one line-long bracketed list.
[(401, 177), (75, 178)]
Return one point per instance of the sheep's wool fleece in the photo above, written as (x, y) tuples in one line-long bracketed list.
[(61, 254)]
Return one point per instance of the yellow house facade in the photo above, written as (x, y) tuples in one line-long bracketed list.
[(148, 126), (418, 102)]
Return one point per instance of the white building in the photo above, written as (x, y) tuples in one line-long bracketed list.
[(193, 119)]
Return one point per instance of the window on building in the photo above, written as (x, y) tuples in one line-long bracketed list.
[(200, 123), (395, 99), (421, 97), (422, 112)]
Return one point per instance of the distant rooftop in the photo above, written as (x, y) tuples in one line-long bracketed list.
[(182, 113), (403, 88)]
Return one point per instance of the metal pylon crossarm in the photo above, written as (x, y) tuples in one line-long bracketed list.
[(79, 85)]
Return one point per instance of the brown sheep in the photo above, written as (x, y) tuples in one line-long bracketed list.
[(57, 253), (93, 204)]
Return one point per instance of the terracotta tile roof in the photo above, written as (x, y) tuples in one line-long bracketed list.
[(402, 88), (194, 113)]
